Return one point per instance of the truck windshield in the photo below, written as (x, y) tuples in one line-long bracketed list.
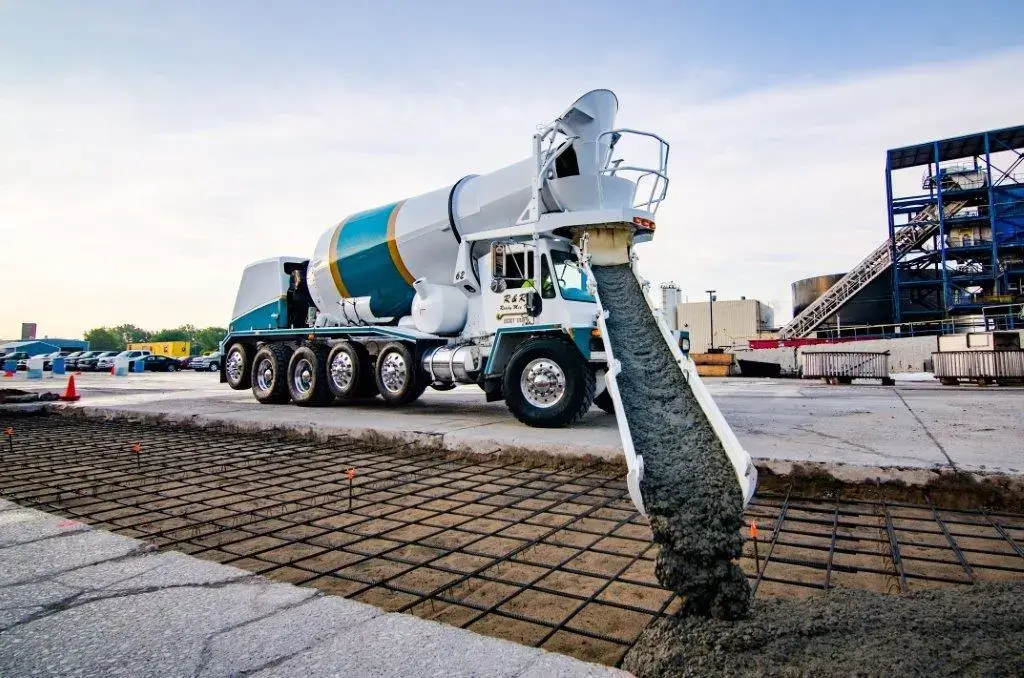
[(571, 280)]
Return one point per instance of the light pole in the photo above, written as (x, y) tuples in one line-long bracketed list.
[(711, 314)]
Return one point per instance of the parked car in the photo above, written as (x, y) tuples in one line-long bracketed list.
[(158, 363), (206, 363), (74, 361), (90, 364), (47, 360), (107, 362), (186, 362), (17, 357), (71, 358), (50, 357)]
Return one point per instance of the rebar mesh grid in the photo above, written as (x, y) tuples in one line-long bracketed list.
[(549, 558)]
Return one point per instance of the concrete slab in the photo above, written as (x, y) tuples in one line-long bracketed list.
[(915, 424), (87, 602)]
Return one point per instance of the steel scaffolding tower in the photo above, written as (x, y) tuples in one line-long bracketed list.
[(972, 258)]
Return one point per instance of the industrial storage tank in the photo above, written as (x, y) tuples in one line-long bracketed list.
[(871, 306)]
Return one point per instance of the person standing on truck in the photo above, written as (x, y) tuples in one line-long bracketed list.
[(298, 300)]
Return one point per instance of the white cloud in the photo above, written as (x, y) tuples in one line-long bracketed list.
[(142, 205)]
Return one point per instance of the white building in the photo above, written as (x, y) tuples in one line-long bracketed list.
[(735, 322)]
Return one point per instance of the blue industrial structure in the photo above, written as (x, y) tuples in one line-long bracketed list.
[(32, 347), (966, 253), (44, 345)]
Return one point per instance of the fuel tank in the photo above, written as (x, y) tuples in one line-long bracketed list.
[(363, 269)]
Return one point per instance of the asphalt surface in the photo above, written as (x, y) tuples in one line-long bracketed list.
[(915, 424), (84, 602)]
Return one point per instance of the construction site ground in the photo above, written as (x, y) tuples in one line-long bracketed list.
[(546, 557), (917, 424)]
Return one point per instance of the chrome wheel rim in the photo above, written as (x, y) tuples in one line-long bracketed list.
[(265, 374), (393, 372), (542, 383), (302, 376), (342, 371), (234, 366)]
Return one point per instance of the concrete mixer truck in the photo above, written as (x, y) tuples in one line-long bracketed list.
[(486, 281)]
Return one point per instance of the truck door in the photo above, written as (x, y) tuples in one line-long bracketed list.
[(513, 298)]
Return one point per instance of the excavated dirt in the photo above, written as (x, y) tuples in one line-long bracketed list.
[(689, 488), (966, 631)]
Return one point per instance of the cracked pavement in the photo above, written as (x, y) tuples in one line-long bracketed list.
[(81, 602)]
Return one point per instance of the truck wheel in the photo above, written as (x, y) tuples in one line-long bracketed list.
[(548, 384), (350, 372), (604, 401), (399, 379), (237, 367), (270, 373), (307, 376)]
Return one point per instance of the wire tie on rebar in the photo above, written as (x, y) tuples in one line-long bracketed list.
[(350, 474), (753, 535)]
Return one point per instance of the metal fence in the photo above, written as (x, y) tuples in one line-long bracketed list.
[(979, 364), (845, 364)]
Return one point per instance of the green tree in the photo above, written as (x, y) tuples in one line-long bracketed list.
[(209, 338), (131, 334), (183, 333), (104, 339)]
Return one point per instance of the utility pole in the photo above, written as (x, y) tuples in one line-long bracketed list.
[(711, 314)]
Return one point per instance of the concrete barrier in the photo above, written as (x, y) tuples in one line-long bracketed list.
[(35, 368), (120, 367), (906, 354)]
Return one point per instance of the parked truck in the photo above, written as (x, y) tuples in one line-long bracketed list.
[(485, 281)]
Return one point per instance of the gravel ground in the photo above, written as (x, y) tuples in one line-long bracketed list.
[(689, 487), (963, 631)]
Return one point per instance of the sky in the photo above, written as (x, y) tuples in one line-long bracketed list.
[(149, 151)]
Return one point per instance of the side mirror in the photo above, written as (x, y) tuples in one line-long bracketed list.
[(534, 304), (497, 260)]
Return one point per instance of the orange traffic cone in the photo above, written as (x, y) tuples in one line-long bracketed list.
[(8, 374), (70, 394), (113, 370)]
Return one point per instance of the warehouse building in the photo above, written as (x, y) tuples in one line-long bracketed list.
[(717, 324), (44, 345)]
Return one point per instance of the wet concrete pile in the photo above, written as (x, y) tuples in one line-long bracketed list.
[(962, 631), (17, 396), (689, 488)]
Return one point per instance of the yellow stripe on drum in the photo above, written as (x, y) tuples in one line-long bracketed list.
[(335, 256), (396, 257)]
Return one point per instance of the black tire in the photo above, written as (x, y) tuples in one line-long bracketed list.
[(243, 374), (576, 397), (214, 367), (271, 387), (350, 372), (400, 380), (171, 367), (307, 376), (604, 401)]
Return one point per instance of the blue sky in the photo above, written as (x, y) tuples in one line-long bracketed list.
[(220, 132), (751, 43)]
